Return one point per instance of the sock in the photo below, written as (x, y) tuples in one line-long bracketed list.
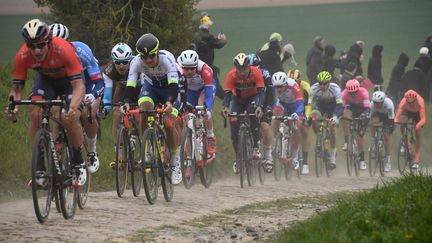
[(388, 158), (268, 152), (91, 143), (210, 133), (305, 158), (175, 157)]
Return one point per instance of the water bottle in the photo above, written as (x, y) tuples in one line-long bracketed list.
[(133, 139)]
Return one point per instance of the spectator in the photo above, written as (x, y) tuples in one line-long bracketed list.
[(315, 59), (375, 73), (428, 44), (205, 44), (415, 79), (355, 55), (271, 57), (348, 74), (273, 36), (394, 86), (425, 59), (330, 63)]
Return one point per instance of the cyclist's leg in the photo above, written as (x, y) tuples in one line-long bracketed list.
[(304, 130), (200, 99), (346, 114), (375, 119), (40, 90), (237, 106), (416, 119), (255, 125)]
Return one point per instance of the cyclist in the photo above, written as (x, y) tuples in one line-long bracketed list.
[(304, 129), (412, 107), (289, 102), (59, 72), (326, 99), (245, 87), (355, 100), (115, 76), (255, 60), (382, 110), (200, 89), (160, 86), (95, 86)]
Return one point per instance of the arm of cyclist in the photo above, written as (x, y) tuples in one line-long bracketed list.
[(15, 92), (422, 121)]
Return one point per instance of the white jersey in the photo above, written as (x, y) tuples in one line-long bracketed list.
[(163, 74), (330, 96), (202, 77), (386, 108)]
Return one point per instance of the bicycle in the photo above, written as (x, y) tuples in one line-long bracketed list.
[(261, 162), (246, 164), (156, 157), (405, 148), (193, 149), (352, 153), (52, 166), (128, 152), (376, 151), (282, 148), (322, 148)]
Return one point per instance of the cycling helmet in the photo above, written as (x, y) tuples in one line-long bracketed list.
[(294, 74), (35, 31), (121, 52), (241, 60), (378, 96), (352, 86), (188, 58), (324, 77), (59, 30), (254, 59), (410, 96), (279, 79), (147, 45)]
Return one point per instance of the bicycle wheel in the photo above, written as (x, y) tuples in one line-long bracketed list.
[(135, 164), (42, 176), (277, 153), (68, 192), (242, 156), (261, 170), (187, 158), (206, 171), (350, 155), (83, 192), (166, 173), (380, 157), (319, 156), (355, 157), (403, 156), (373, 157), (251, 164), (289, 172), (150, 168), (121, 160)]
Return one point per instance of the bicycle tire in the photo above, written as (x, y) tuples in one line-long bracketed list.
[(68, 192), (349, 155), (135, 165), (356, 162), (381, 157), (56, 199), (121, 160), (186, 147), (241, 157), (373, 157), (84, 191), (277, 150), (403, 158), (299, 170), (42, 195), (260, 165), (287, 167), (150, 168), (206, 172), (326, 161), (251, 164), (318, 155), (165, 174)]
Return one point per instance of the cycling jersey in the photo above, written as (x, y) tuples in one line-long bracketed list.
[(94, 81), (306, 91), (291, 98), (387, 108), (415, 108), (252, 86), (269, 89), (328, 101), (360, 100), (160, 83), (61, 62)]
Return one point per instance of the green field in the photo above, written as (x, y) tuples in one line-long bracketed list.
[(398, 25)]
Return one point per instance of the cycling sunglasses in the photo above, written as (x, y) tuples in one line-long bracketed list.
[(322, 83), (124, 62), (146, 56), (189, 68), (34, 46)]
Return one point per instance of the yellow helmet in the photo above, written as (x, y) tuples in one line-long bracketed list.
[(294, 74)]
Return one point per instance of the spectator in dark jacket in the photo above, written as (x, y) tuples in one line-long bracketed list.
[(375, 73), (354, 55), (270, 58), (428, 44), (394, 87), (348, 74), (425, 59), (315, 59), (415, 79), (330, 63)]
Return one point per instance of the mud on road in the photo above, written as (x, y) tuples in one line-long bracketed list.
[(224, 212)]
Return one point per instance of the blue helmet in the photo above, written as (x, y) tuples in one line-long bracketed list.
[(254, 59)]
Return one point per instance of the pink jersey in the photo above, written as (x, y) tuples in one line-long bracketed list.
[(361, 99)]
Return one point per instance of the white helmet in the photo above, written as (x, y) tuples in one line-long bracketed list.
[(241, 60), (121, 51), (59, 30), (188, 58), (279, 79), (378, 96)]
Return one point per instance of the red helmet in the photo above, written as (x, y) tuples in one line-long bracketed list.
[(35, 31), (410, 96), (352, 85)]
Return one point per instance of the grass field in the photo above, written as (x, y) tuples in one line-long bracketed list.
[(398, 25)]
